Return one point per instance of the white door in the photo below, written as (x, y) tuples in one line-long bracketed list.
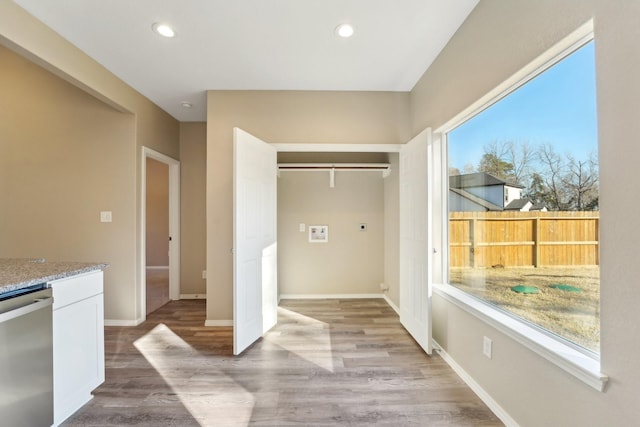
[(254, 239), (415, 298)]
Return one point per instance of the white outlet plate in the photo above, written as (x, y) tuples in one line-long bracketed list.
[(302, 228), (204, 274), (105, 216), (487, 345)]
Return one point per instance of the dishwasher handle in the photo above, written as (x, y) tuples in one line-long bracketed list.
[(37, 304)]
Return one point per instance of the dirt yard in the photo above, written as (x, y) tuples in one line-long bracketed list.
[(572, 315)]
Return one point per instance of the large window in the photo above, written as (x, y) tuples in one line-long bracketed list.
[(523, 202)]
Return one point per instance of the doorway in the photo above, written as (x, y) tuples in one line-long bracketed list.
[(157, 235), (414, 251), (254, 164), (160, 242)]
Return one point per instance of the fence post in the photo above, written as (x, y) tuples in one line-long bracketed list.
[(536, 242), (597, 237), (472, 236)]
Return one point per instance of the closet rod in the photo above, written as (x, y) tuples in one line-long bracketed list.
[(334, 166)]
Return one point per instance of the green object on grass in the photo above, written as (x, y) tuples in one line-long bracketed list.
[(564, 287), (521, 289)]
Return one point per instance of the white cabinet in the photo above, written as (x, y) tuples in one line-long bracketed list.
[(78, 341)]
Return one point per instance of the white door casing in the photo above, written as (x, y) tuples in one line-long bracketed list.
[(174, 230), (255, 247), (415, 247), (254, 239)]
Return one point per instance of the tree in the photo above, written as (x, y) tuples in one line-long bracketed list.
[(581, 182), (553, 171), (594, 204), (494, 165), (453, 171), (537, 191), (516, 158), (520, 155), (468, 168), (559, 182)]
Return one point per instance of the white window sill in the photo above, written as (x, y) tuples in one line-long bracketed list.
[(578, 364)]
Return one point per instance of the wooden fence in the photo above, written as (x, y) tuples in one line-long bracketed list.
[(515, 239)]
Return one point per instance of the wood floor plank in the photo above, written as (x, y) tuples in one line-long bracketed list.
[(326, 363)]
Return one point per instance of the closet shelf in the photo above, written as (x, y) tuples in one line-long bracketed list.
[(333, 166)]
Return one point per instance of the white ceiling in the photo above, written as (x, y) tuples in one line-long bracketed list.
[(255, 44)]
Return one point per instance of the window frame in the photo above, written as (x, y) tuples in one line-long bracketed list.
[(582, 363)]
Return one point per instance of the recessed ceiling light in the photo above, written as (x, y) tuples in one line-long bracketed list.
[(344, 30), (186, 104), (163, 29)]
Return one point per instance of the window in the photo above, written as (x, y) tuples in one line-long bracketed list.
[(523, 202)]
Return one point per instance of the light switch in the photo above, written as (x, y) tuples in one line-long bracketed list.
[(105, 216), (302, 228)]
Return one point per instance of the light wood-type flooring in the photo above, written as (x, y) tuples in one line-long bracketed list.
[(157, 292), (326, 363)]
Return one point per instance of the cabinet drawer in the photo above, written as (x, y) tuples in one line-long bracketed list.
[(77, 288)]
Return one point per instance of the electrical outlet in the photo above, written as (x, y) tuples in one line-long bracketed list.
[(204, 274), (302, 228), (105, 216), (487, 345)]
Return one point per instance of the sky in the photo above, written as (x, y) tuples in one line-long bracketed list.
[(556, 107)]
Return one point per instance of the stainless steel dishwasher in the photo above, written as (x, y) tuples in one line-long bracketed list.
[(26, 357)]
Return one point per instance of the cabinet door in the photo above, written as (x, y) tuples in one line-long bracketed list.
[(78, 343)]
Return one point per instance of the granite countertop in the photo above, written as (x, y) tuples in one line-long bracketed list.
[(20, 273)]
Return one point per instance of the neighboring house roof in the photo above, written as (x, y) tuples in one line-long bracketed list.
[(518, 205), (538, 207), (478, 179), (475, 199)]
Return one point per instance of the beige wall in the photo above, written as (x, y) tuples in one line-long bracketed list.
[(351, 262), (302, 117), (157, 214), (64, 157), (496, 40), (119, 186), (193, 176)]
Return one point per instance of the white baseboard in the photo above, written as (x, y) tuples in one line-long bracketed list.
[(473, 385), (117, 322), (391, 304), (218, 323), (157, 267), (193, 296), (330, 296)]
